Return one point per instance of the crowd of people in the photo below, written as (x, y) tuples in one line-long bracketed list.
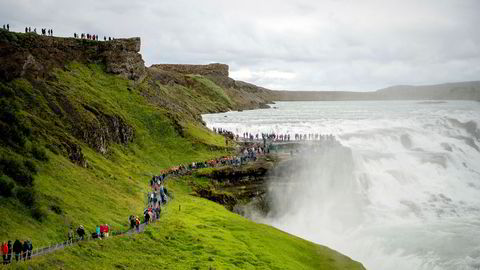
[(93, 37), (18, 250), (49, 32), (247, 136), (44, 31)]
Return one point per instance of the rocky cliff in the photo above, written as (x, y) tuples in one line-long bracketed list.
[(34, 56), (215, 69)]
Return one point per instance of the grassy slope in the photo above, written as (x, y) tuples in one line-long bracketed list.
[(113, 186), (201, 235), (198, 234)]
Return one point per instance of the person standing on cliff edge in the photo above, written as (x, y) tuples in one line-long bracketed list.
[(8, 27)]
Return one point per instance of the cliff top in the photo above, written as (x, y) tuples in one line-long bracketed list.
[(33, 55)]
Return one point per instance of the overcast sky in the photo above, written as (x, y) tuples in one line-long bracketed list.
[(284, 44)]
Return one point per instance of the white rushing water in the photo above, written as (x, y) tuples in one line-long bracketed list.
[(401, 192)]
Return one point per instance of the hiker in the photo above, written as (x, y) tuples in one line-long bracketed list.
[(132, 221), (8, 27), (5, 252), (17, 249), (97, 230), (30, 250), (162, 194), (146, 218), (26, 30), (137, 224), (25, 250), (104, 38), (81, 232), (10, 251)]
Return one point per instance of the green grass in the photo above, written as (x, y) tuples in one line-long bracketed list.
[(194, 233), (114, 185)]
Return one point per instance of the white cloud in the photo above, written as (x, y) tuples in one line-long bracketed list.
[(285, 44)]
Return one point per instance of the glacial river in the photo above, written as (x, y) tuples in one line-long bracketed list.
[(401, 191)]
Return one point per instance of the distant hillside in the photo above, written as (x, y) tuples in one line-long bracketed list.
[(447, 91)]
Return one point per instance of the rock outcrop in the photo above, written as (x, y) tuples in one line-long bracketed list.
[(214, 69), (34, 56)]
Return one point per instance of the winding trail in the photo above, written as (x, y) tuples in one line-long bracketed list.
[(62, 245)]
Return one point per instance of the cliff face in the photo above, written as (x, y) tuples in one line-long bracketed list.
[(34, 56), (244, 95)]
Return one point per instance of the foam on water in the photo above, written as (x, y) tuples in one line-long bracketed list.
[(402, 191)]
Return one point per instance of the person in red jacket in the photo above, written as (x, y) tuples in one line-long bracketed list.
[(5, 252), (102, 230)]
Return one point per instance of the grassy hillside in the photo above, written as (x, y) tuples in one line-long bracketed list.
[(78, 146), (194, 233), (112, 185)]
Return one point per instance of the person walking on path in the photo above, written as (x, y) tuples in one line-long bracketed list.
[(137, 224), (30, 250), (132, 221), (81, 232), (17, 249), (25, 250), (147, 218), (10, 251), (5, 252), (97, 230)]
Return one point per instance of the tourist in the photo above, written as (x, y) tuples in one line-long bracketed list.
[(8, 27), (81, 232), (25, 250), (146, 218), (137, 224), (10, 251), (70, 234), (5, 252), (132, 221), (30, 250), (97, 230), (17, 249)]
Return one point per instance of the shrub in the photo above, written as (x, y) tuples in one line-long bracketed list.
[(13, 131), (26, 195), (56, 209), (20, 172), (39, 213), (6, 186), (39, 153)]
